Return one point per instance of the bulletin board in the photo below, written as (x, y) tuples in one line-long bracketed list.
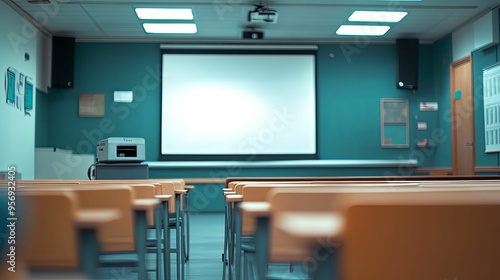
[(491, 98)]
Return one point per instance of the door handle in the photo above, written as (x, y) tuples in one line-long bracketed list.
[(469, 143)]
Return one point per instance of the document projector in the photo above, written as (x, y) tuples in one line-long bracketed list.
[(121, 149)]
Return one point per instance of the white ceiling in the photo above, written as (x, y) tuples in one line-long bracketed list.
[(224, 20)]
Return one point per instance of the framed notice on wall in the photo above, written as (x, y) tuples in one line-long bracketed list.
[(91, 105), (394, 128), (491, 92)]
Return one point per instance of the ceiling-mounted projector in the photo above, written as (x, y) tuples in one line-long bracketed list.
[(263, 14), (263, 17), (253, 34)]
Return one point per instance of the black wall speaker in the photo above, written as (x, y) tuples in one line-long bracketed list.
[(407, 63), (253, 34), (63, 61)]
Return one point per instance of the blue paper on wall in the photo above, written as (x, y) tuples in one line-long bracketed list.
[(458, 94)]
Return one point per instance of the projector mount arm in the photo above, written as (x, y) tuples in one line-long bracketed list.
[(261, 8)]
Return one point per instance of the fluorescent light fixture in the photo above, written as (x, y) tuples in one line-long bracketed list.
[(377, 16), (363, 30), (188, 28), (123, 96), (164, 13)]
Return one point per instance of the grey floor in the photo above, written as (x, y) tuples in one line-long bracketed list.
[(207, 242), (205, 256)]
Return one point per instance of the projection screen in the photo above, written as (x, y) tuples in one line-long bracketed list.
[(238, 104)]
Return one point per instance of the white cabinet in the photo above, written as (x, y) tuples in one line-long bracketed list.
[(53, 163)]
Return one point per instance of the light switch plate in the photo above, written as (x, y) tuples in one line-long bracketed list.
[(422, 126)]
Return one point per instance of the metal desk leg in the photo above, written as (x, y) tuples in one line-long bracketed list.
[(262, 246), (166, 241), (237, 241), (158, 227)]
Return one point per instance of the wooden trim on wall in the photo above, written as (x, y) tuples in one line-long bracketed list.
[(205, 180), (487, 169), (440, 171), (435, 171)]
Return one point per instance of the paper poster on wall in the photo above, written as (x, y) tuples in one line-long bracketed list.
[(28, 96), (91, 105), (20, 91), (491, 97), (15, 86), (10, 86), (428, 106)]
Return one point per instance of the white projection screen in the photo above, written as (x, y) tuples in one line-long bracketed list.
[(238, 105)]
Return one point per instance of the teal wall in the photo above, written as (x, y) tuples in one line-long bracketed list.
[(441, 132), (17, 139), (351, 81), (350, 86), (42, 119), (481, 59), (105, 68)]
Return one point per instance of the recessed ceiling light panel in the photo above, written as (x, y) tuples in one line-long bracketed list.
[(164, 13), (377, 16), (363, 30), (177, 28)]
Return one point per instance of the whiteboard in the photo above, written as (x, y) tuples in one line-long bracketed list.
[(491, 97)]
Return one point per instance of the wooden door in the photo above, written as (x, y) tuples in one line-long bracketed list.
[(462, 103)]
